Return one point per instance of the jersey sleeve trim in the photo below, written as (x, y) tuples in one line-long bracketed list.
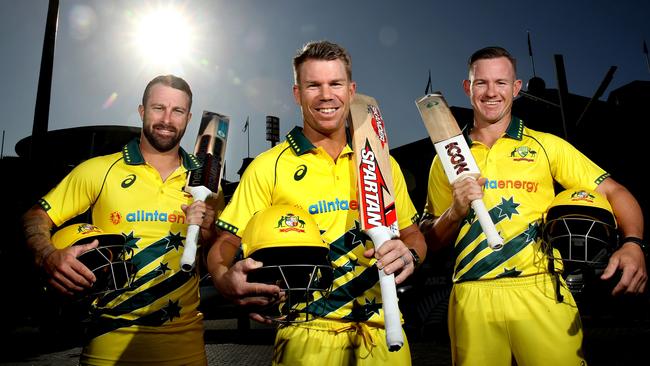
[(227, 227)]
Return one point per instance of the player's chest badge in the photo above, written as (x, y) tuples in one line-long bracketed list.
[(523, 153)]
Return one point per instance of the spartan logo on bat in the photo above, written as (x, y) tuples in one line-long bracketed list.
[(372, 191), (378, 124)]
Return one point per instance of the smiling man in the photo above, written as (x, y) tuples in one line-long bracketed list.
[(137, 193), (314, 170), (512, 304)]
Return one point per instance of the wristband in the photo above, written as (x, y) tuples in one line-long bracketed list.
[(416, 257), (637, 241)]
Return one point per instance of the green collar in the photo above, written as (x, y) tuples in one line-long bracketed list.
[(133, 156), (298, 141), (515, 130), (300, 144)]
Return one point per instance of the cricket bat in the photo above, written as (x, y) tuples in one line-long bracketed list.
[(376, 201), (455, 155), (210, 149)]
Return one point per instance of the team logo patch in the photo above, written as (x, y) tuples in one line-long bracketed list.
[(300, 173), (523, 153), (128, 181), (85, 229), (432, 104), (582, 196), (291, 222)]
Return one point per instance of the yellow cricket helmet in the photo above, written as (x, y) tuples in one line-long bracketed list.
[(581, 203), (282, 226), (108, 261), (287, 240), (581, 226)]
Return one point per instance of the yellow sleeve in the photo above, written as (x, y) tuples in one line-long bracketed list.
[(570, 167), (76, 192), (439, 196), (406, 212), (252, 194)]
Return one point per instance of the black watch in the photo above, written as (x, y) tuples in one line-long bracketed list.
[(416, 257), (638, 241)]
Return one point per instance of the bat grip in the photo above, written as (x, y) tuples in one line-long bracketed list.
[(200, 193), (493, 238), (392, 322)]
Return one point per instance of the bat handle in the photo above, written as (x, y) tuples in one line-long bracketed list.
[(392, 322), (493, 238), (188, 258)]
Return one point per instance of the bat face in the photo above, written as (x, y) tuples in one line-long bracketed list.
[(447, 137), (376, 201), (209, 149), (455, 155), (436, 115), (374, 179), (373, 190)]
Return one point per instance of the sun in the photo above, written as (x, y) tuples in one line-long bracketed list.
[(163, 37)]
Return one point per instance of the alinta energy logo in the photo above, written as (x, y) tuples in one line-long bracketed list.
[(523, 153), (128, 181), (115, 217), (528, 186), (291, 222), (176, 217), (337, 204)]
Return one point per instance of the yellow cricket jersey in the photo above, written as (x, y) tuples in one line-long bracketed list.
[(520, 168), (297, 173), (157, 320)]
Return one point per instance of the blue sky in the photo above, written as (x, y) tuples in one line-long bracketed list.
[(239, 62)]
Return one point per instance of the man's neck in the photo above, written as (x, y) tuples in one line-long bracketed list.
[(488, 133), (333, 144), (164, 162)]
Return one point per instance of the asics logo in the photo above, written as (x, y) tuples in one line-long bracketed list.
[(300, 172), (128, 181)]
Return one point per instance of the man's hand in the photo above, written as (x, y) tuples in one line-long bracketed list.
[(630, 259), (234, 286), (66, 273), (464, 192), (204, 215), (393, 257)]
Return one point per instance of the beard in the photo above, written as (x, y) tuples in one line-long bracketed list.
[(162, 143)]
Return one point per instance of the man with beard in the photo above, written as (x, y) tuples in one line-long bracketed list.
[(138, 193)]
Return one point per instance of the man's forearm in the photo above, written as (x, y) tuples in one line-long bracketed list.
[(37, 227), (439, 232), (413, 239), (221, 255)]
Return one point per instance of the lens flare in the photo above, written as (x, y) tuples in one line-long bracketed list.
[(110, 100)]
